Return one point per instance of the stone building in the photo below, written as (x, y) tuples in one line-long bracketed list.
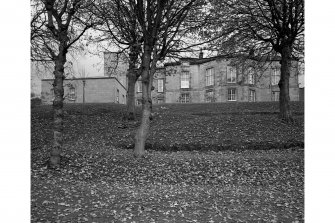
[(87, 90), (218, 79), (189, 80)]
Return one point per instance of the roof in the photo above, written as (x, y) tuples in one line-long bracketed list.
[(83, 78), (195, 61)]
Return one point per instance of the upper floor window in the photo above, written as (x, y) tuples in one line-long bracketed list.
[(231, 75), (275, 76), (72, 94), (160, 87), (139, 86), (251, 77), (210, 77), (231, 94), (185, 79)]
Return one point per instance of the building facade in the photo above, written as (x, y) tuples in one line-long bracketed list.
[(217, 79), (190, 80), (87, 90)]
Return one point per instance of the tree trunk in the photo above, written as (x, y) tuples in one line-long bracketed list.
[(284, 85), (143, 131), (54, 161), (132, 77), (131, 95)]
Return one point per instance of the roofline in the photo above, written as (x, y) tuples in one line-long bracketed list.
[(82, 78), (195, 60)]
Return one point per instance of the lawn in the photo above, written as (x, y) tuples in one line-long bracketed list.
[(220, 162)]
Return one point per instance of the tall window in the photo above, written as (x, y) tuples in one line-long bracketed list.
[(251, 77), (117, 95), (275, 76), (139, 86), (160, 84), (231, 75), (72, 94), (184, 98), (185, 79), (275, 95), (231, 94), (252, 95), (210, 77)]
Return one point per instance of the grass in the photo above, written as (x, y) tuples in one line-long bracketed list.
[(221, 162)]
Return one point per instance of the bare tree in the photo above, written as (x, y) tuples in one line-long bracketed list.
[(162, 25), (64, 22), (121, 28), (265, 28)]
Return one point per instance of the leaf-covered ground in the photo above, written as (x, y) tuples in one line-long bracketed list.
[(232, 162)]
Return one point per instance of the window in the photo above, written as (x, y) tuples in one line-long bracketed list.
[(252, 95), (138, 101), (210, 96), (210, 77), (160, 101), (185, 79), (251, 77), (160, 84), (123, 99), (139, 86), (275, 76), (72, 94), (231, 75), (117, 95), (231, 94), (275, 95), (184, 98), (52, 94)]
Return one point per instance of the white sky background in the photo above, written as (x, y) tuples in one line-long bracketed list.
[(15, 111)]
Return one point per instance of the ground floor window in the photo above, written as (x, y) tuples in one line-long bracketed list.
[(252, 95), (209, 96), (52, 94), (231, 94), (139, 102), (72, 94), (275, 95), (160, 101), (185, 98), (117, 95)]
